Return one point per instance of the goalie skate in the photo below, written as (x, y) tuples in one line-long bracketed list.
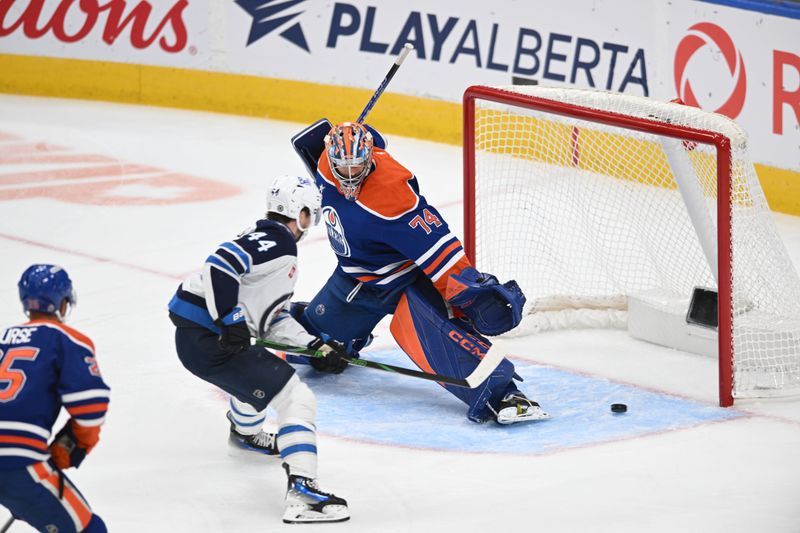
[(306, 503), (515, 407)]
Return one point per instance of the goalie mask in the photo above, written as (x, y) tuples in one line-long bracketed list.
[(348, 147), (42, 289), (290, 195)]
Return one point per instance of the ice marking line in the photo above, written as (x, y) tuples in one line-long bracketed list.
[(579, 420), (92, 257), (739, 408), (593, 375), (551, 451), (271, 422), (102, 178), (29, 149), (45, 159), (81, 173), (28, 171)]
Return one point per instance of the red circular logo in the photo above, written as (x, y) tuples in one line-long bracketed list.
[(705, 34)]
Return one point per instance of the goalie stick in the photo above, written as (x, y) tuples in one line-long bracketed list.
[(310, 143), (478, 376), (7, 524), (382, 87)]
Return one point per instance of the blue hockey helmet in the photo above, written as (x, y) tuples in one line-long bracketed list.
[(42, 288), (348, 147)]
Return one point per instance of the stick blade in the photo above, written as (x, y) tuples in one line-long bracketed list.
[(493, 357)]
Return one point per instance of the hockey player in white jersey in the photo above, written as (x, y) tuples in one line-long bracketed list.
[(244, 291)]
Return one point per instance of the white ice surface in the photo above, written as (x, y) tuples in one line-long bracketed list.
[(162, 463)]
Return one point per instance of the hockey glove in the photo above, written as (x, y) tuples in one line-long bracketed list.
[(334, 350), (234, 335), (72, 443), (493, 308)]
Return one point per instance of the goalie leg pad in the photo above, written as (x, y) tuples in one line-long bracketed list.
[(438, 345)]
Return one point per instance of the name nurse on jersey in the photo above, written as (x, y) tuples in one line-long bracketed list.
[(16, 335), (335, 232)]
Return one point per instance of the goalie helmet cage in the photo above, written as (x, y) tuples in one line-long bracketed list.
[(590, 198)]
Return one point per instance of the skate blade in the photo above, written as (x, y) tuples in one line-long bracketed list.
[(509, 415), (301, 514), (250, 454)]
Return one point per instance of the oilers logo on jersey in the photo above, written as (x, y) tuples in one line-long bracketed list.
[(335, 231)]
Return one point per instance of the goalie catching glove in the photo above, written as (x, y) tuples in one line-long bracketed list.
[(492, 307)]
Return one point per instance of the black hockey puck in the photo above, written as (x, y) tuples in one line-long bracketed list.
[(619, 408)]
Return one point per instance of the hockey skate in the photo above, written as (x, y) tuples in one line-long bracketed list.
[(306, 503), (262, 442), (516, 407)]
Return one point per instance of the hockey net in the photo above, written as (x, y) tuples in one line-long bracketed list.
[(589, 199)]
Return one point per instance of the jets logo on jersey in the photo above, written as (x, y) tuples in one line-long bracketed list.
[(335, 232)]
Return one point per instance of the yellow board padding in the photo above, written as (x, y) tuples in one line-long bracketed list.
[(227, 93), (273, 98), (621, 156), (599, 151), (781, 187)]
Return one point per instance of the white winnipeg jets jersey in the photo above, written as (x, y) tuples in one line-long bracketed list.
[(256, 272)]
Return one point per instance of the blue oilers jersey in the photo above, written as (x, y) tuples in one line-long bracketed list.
[(390, 235), (256, 272), (45, 365)]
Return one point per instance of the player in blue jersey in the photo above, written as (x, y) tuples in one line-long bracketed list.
[(244, 291), (45, 365), (396, 255)]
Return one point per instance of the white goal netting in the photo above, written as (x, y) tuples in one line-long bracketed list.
[(584, 215)]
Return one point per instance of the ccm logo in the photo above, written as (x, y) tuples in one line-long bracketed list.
[(473, 347)]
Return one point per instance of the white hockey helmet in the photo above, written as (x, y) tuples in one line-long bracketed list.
[(291, 194)]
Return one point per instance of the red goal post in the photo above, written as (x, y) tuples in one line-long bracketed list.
[(530, 151)]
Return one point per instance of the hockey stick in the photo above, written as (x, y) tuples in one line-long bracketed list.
[(478, 376), (7, 524), (382, 87)]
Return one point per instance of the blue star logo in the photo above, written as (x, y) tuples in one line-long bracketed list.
[(264, 21)]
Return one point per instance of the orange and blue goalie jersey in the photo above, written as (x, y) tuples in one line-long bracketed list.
[(45, 365), (389, 235)]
